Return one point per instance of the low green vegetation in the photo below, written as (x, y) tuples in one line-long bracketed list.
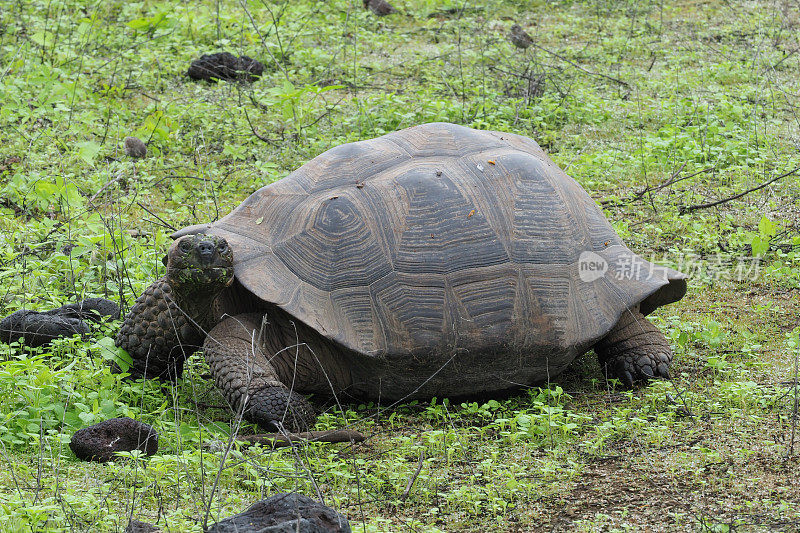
[(656, 108)]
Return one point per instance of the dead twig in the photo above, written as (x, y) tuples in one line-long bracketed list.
[(413, 478), (790, 450), (104, 188), (675, 178), (253, 129), (164, 223), (280, 440), (689, 208), (784, 58), (577, 66)]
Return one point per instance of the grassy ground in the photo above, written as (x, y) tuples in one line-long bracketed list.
[(653, 107)]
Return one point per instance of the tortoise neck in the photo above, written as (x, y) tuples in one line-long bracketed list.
[(198, 306)]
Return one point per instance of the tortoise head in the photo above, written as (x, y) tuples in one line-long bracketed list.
[(199, 264)]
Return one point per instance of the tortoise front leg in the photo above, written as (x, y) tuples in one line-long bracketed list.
[(634, 350), (157, 335), (234, 350)]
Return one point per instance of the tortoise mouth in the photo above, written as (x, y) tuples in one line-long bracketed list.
[(205, 277), (209, 274)]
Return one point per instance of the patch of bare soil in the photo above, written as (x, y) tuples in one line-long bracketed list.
[(679, 489)]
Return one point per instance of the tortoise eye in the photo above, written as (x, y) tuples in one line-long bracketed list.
[(223, 247), (185, 246)]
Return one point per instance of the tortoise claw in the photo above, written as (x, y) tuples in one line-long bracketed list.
[(634, 351), (276, 407), (627, 379), (632, 370)]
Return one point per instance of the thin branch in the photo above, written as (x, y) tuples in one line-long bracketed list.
[(787, 56), (689, 208), (577, 66), (675, 178), (413, 478), (105, 187), (524, 75), (163, 222), (228, 448), (790, 450), (279, 440), (253, 129)]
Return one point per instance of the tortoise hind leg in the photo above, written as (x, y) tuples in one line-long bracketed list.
[(234, 349), (634, 350)]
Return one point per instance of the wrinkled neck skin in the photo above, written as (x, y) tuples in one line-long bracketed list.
[(197, 303)]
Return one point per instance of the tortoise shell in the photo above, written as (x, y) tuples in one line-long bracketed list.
[(439, 239)]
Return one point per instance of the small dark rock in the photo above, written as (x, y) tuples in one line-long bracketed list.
[(380, 7), (135, 526), (135, 148), (101, 441), (284, 513), (9, 163), (94, 309), (519, 37), (39, 328), (225, 66)]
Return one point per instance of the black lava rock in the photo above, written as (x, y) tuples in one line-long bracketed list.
[(135, 526), (225, 66), (284, 513), (519, 37), (135, 148), (380, 7), (101, 441), (39, 328), (92, 309)]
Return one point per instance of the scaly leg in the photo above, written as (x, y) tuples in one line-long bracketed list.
[(234, 350), (634, 350)]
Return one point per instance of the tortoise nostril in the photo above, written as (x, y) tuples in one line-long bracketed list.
[(205, 250)]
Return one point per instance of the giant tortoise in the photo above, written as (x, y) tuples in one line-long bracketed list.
[(434, 261)]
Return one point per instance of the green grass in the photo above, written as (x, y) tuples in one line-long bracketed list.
[(624, 95)]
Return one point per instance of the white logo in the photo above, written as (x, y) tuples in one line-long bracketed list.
[(591, 266)]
